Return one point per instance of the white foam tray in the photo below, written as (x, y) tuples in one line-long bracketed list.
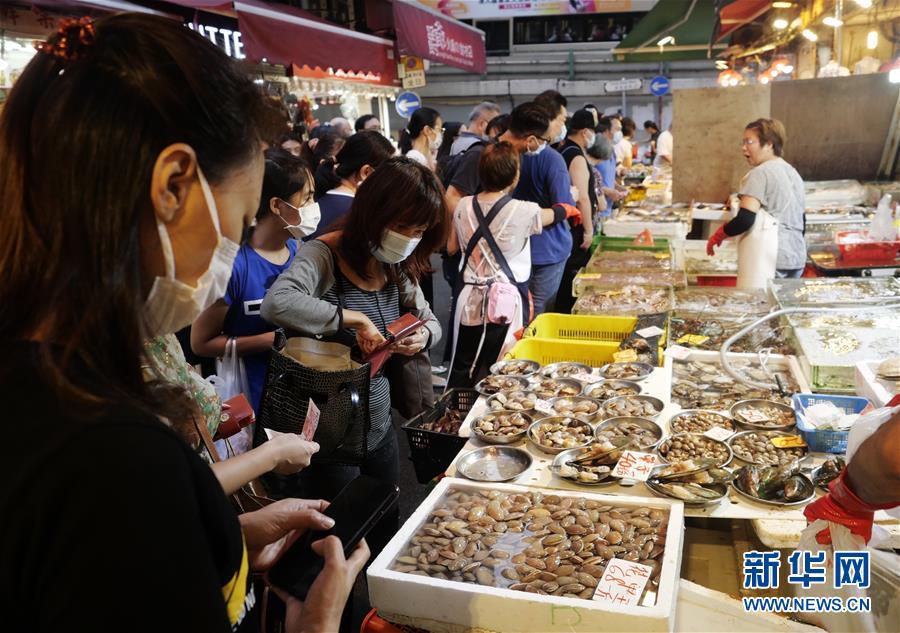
[(417, 598)]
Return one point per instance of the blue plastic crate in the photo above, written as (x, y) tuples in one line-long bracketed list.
[(825, 440)]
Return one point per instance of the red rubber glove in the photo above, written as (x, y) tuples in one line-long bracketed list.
[(841, 505), (715, 240), (572, 213)]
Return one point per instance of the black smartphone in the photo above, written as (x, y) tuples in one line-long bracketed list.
[(355, 510)]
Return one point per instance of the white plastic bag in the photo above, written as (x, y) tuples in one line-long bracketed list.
[(882, 227), (230, 380)]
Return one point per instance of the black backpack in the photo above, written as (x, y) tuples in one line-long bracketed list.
[(452, 165)]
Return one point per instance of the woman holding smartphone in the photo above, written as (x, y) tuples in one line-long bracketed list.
[(131, 159), (347, 286)]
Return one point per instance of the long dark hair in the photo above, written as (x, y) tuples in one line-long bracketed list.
[(79, 137), (361, 149), (420, 119), (403, 193)]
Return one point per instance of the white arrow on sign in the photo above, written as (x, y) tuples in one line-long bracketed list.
[(623, 85)]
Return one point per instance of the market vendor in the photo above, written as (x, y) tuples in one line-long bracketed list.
[(770, 223)]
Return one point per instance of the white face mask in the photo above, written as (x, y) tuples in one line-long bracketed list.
[(172, 304), (395, 247), (535, 152), (310, 215), (591, 140), (562, 134), (618, 136), (435, 145)]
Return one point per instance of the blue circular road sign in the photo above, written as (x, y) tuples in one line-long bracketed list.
[(659, 86), (407, 103)]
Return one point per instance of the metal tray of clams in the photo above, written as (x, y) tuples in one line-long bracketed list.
[(549, 388), (495, 384), (633, 406), (676, 443), (582, 476), (784, 412), (642, 428), (576, 406), (515, 367), (699, 421), (566, 370), (781, 455), (604, 389), (560, 433), (502, 427), (518, 400), (626, 371), (687, 486)]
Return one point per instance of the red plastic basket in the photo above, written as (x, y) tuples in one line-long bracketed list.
[(854, 250), (710, 280)]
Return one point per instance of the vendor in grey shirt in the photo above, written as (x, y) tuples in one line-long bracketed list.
[(774, 185)]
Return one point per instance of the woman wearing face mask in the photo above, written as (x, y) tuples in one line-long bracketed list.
[(100, 250), (349, 285), (338, 179), (286, 214), (422, 138), (771, 222)]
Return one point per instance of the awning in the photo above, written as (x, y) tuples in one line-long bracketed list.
[(738, 13), (423, 32), (689, 22), (289, 36)]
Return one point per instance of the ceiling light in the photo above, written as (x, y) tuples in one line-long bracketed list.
[(810, 35), (721, 64), (796, 23), (833, 21), (668, 39), (782, 5), (864, 4), (780, 24), (872, 40)]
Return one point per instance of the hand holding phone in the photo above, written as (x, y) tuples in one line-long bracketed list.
[(411, 343)]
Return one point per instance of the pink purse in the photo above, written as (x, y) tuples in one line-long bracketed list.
[(501, 303)]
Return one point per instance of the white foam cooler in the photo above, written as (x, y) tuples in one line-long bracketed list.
[(419, 598)]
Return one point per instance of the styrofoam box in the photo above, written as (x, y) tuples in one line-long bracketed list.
[(868, 385), (475, 606)]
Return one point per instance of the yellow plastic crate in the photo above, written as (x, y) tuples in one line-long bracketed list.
[(546, 351), (581, 327)]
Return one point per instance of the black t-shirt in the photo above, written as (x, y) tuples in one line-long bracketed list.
[(570, 150), (466, 179), (110, 523)]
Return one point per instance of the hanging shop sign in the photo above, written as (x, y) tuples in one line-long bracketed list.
[(660, 86), (423, 32), (229, 40), (411, 71), (493, 9), (407, 103), (623, 85)]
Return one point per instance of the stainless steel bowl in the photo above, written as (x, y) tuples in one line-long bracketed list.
[(645, 370), (738, 407), (549, 371), (808, 487), (678, 435), (658, 405), (492, 399), (521, 380), (555, 451), (660, 491), (501, 439), (575, 399), (534, 366), (725, 421), (731, 440), (644, 423), (615, 384), (535, 381), (572, 454), (494, 463)]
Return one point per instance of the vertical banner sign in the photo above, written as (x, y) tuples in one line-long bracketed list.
[(422, 32)]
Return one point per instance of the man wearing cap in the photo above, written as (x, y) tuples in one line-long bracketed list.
[(580, 137)]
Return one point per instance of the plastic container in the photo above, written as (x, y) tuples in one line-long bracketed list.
[(824, 440), (432, 452), (554, 350), (584, 280), (606, 243), (581, 327), (855, 247), (722, 282)]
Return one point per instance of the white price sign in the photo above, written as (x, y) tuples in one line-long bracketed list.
[(677, 352), (718, 433), (754, 416), (543, 406), (649, 332), (622, 583), (635, 465), (582, 377)]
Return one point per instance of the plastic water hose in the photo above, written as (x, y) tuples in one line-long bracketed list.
[(723, 352)]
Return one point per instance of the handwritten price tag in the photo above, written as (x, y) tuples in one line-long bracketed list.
[(583, 377), (649, 332), (754, 415), (622, 583), (543, 406), (718, 433), (677, 352), (635, 465), (312, 421), (625, 356)]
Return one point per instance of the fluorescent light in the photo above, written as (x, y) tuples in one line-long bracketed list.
[(796, 23), (894, 76), (833, 21), (782, 5), (872, 40), (668, 39), (810, 35), (780, 23), (787, 70), (763, 79), (864, 4)]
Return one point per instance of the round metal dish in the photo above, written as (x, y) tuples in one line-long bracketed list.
[(645, 370), (737, 407), (584, 416), (782, 504), (659, 491), (494, 463), (534, 366), (535, 385), (677, 435), (549, 371), (521, 380), (501, 439), (556, 451), (658, 404), (731, 440), (613, 384), (571, 454), (493, 399), (644, 423), (726, 422)]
